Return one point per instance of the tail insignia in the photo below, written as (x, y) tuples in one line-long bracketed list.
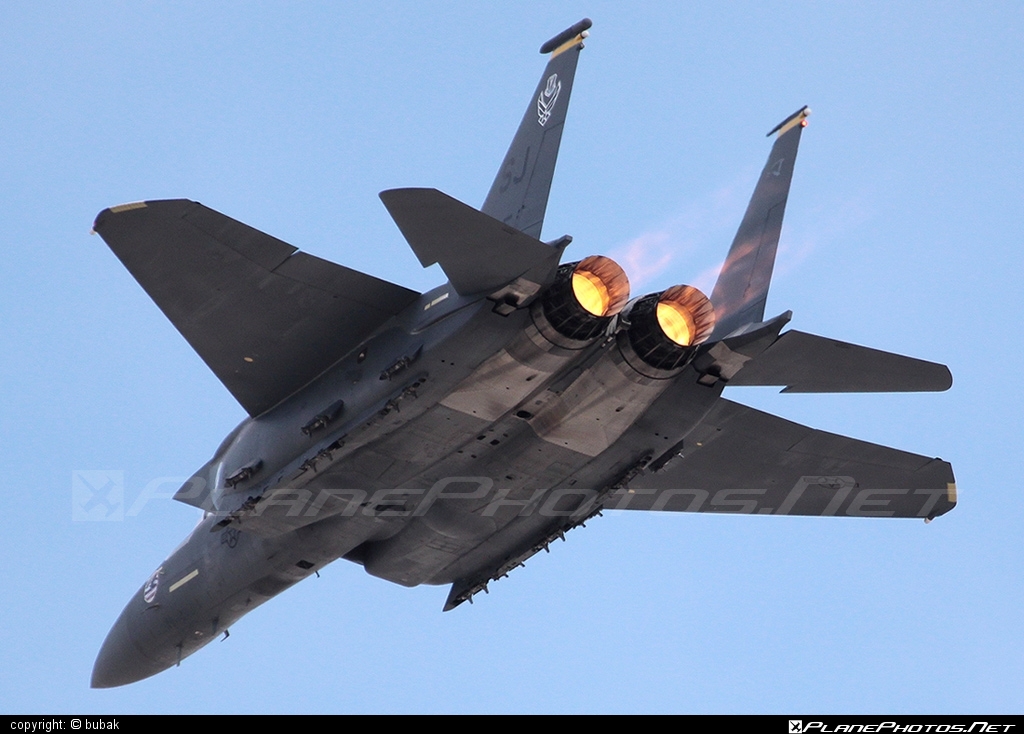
[(547, 98)]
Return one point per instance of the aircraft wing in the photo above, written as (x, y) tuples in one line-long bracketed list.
[(804, 362), (264, 317), (741, 460)]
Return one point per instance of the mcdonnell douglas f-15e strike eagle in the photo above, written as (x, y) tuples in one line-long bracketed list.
[(446, 437)]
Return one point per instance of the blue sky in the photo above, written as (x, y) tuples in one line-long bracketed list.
[(903, 232)]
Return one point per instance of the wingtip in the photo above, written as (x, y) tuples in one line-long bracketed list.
[(951, 498), (948, 381), (129, 206), (117, 210)]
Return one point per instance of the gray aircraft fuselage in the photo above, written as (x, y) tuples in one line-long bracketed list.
[(446, 437), (220, 573)]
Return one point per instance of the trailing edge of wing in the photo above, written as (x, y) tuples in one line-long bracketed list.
[(740, 460), (264, 317), (478, 253), (807, 363)]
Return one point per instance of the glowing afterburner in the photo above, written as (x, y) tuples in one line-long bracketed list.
[(585, 296), (600, 286), (685, 315), (663, 328)]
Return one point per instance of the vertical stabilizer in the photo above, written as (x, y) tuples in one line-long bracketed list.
[(519, 194), (742, 288)]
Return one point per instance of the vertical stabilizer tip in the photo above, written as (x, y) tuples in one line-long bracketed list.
[(797, 118), (567, 35)]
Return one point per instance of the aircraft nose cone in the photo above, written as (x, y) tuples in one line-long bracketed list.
[(120, 661)]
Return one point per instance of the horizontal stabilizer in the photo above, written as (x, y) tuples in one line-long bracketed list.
[(478, 253), (264, 317), (740, 460), (802, 362)]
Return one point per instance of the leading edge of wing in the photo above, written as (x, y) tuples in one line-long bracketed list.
[(263, 316), (741, 460)]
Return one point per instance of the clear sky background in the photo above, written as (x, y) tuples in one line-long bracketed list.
[(903, 232)]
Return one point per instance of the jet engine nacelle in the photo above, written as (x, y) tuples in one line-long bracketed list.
[(655, 337), (582, 301), (662, 330), (571, 314)]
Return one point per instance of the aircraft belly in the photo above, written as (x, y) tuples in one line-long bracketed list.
[(506, 379), (488, 491), (518, 538), (598, 407), (525, 453), (532, 521), (376, 409), (436, 433), (433, 503), (502, 384)]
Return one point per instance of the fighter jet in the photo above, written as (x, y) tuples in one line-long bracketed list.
[(445, 437)]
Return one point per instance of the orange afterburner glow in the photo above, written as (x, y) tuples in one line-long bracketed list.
[(590, 292), (600, 286), (685, 315), (676, 323)]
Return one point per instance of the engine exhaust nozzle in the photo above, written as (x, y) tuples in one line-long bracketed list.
[(585, 296), (665, 327)]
